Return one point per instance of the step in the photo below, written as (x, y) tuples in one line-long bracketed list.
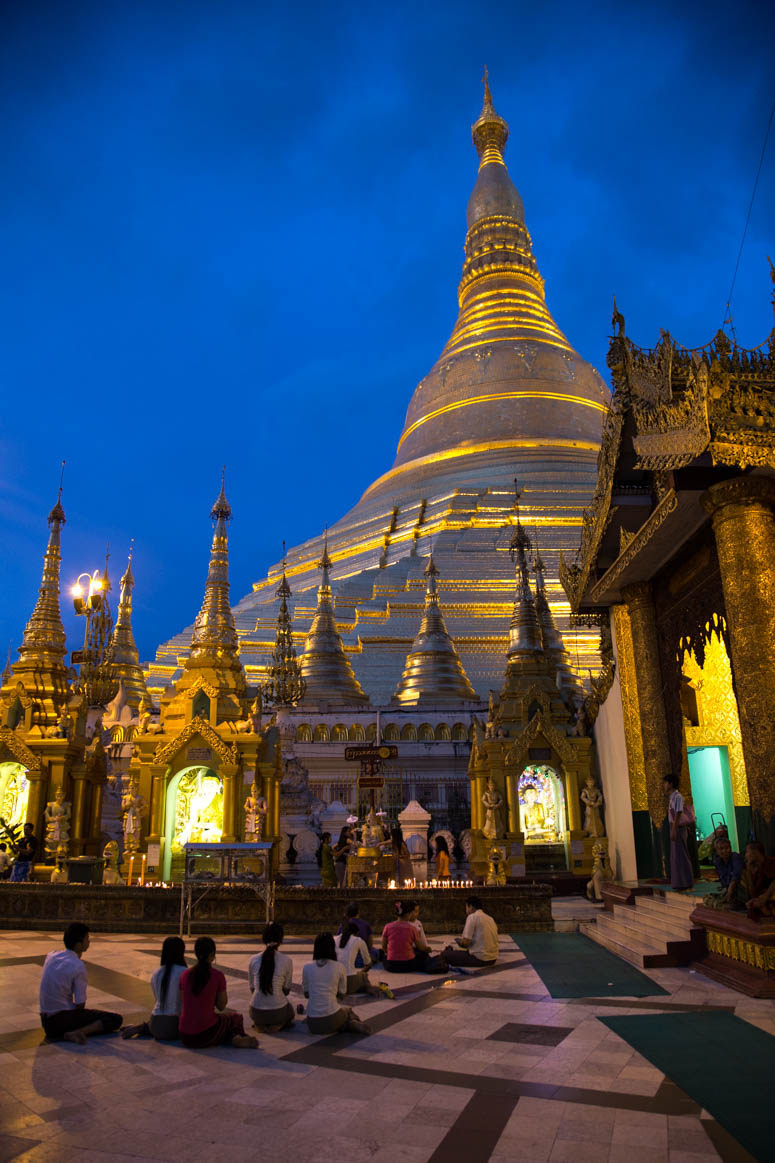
[(591, 930), (684, 903), (669, 928), (656, 913), (649, 926), (634, 940)]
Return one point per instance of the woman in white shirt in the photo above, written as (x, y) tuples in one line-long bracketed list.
[(324, 981), (348, 946), (165, 983), (271, 976)]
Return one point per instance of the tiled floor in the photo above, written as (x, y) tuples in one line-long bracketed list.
[(471, 1068)]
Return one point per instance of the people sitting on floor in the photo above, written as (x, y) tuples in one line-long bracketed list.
[(364, 932), (479, 942), (757, 881), (165, 984), (204, 1019), (324, 981), (729, 866), (270, 975), (63, 1012), (404, 947), (25, 854), (351, 949)]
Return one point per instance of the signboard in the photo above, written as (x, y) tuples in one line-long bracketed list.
[(76, 657), (366, 751), (154, 855), (199, 754), (371, 781)]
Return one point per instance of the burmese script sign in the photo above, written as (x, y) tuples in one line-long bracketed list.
[(370, 751), (371, 781), (199, 754)]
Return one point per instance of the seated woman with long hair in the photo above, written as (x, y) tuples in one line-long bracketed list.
[(204, 1020), (271, 976), (404, 946), (324, 982), (349, 945), (165, 983)]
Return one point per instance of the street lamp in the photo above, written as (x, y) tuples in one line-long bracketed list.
[(93, 595), (90, 601)]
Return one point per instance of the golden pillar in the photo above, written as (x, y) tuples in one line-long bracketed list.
[(648, 677), (231, 773), (77, 821), (158, 781), (36, 802), (573, 793), (95, 815), (743, 513)]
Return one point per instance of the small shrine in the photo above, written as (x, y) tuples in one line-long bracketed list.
[(533, 763)]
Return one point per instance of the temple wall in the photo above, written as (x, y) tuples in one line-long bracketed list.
[(612, 759)]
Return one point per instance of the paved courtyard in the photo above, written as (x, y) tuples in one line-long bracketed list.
[(478, 1067)]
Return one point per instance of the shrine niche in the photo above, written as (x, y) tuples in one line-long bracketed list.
[(14, 794), (541, 805), (194, 813)]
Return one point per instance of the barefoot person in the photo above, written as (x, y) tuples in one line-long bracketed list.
[(271, 976), (63, 1012), (324, 982), (165, 983), (204, 1019), (479, 942)]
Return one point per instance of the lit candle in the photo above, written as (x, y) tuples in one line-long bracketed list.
[(131, 866), (142, 869)]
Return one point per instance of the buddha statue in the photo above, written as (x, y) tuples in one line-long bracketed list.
[(534, 819)]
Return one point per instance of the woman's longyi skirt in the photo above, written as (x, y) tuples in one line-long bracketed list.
[(227, 1026), (269, 1019)]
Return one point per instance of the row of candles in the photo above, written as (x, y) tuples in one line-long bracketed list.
[(431, 884)]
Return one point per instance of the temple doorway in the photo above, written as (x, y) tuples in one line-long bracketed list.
[(712, 790), (194, 815), (14, 794)]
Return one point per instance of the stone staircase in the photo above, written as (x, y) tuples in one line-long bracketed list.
[(653, 932)]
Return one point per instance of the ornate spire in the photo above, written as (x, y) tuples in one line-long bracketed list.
[(551, 637), (44, 635), (215, 634), (524, 631), (285, 686), (327, 670), (433, 672), (125, 660), (489, 132)]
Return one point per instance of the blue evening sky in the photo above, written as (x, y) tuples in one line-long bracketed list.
[(232, 233)]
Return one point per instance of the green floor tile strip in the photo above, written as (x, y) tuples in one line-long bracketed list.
[(570, 965), (722, 1062)]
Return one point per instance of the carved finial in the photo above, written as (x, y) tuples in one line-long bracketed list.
[(58, 513), (221, 510), (617, 320), (486, 82)]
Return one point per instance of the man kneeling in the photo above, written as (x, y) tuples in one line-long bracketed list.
[(479, 942), (63, 1012)]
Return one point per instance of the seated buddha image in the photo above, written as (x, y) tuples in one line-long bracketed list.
[(535, 823), (204, 822)]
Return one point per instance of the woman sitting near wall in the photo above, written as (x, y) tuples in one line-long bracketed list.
[(204, 1020), (271, 976), (165, 983), (324, 982)]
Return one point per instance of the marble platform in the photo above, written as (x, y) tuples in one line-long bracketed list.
[(475, 1068)]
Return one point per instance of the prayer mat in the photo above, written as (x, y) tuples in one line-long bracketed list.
[(571, 965), (725, 1064)]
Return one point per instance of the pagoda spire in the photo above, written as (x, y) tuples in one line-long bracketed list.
[(96, 669), (44, 640), (285, 686), (41, 665), (552, 639), (524, 630), (215, 633), (125, 660), (325, 667), (433, 672)]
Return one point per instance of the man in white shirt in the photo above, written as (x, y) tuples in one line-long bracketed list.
[(63, 1012), (479, 942)]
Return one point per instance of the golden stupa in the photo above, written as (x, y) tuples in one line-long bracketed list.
[(508, 397)]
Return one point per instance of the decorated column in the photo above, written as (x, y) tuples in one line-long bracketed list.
[(743, 513)]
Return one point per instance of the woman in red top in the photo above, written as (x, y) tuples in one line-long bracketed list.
[(204, 1020), (404, 947)]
